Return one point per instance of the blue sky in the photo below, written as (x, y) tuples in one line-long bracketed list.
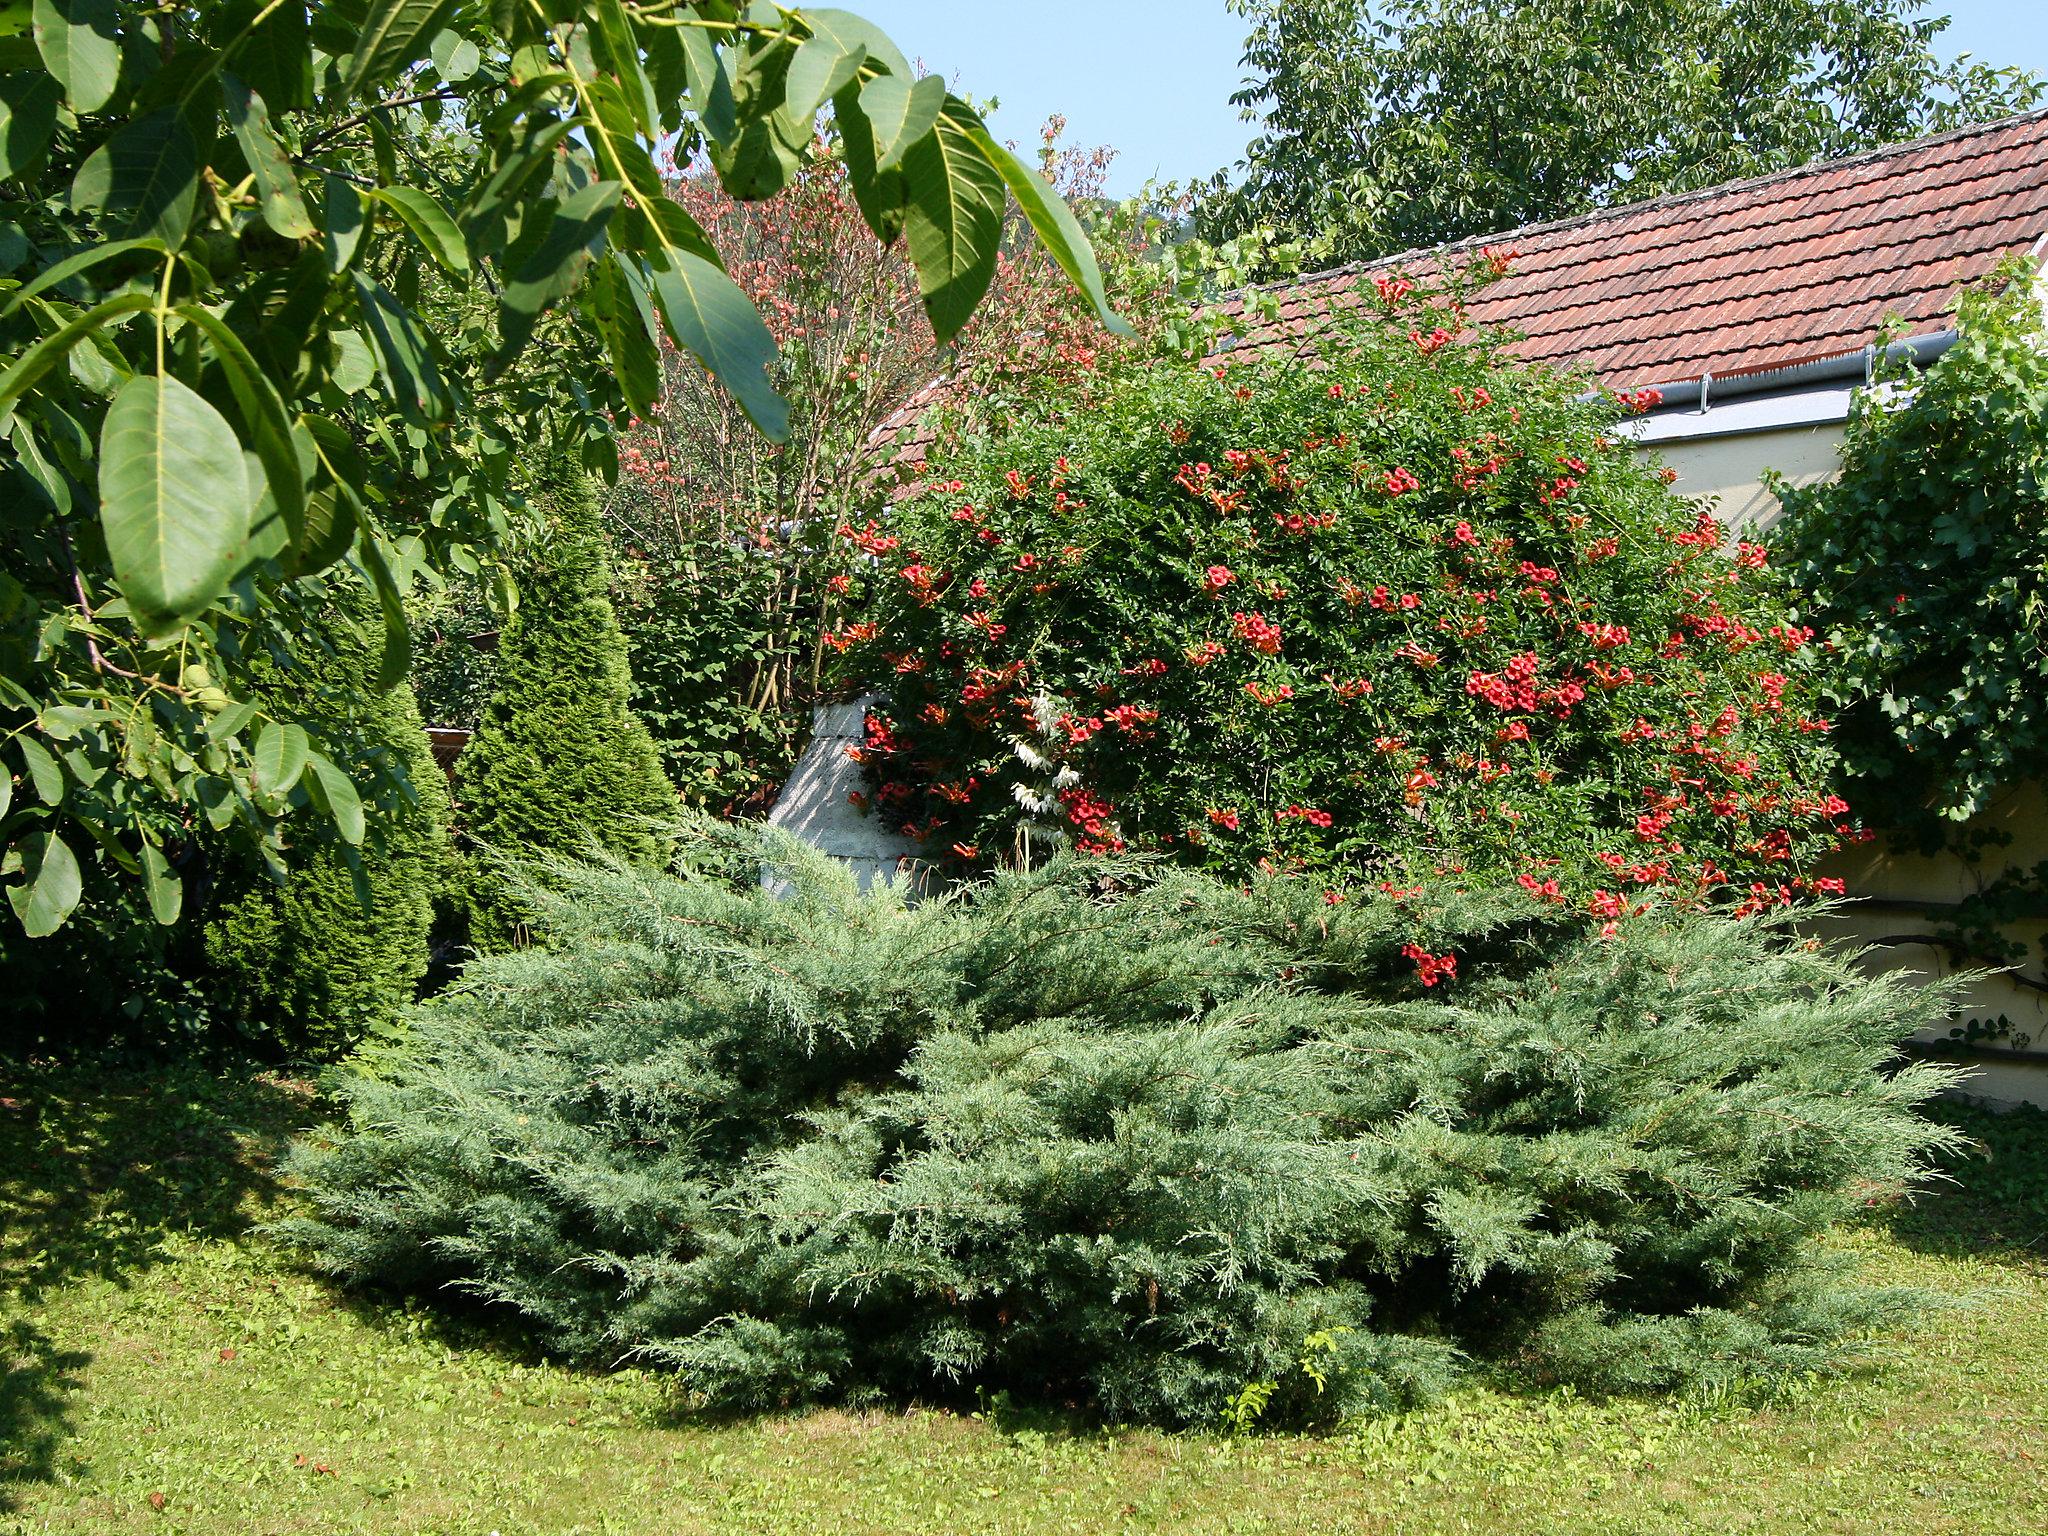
[(1153, 77)]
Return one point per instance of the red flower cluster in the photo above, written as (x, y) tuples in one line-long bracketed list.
[(1431, 968), (1508, 654), (1254, 630)]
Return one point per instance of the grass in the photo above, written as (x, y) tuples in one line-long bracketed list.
[(165, 1369)]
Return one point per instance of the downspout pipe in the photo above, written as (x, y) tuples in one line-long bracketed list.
[(1920, 351)]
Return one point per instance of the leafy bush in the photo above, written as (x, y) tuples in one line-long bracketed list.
[(558, 759), (331, 948), (112, 980), (1927, 565), (718, 648), (1404, 608), (304, 959), (1147, 1145)]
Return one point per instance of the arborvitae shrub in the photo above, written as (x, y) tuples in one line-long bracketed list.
[(1130, 1139), (1403, 607), (711, 629), (558, 761), (304, 965)]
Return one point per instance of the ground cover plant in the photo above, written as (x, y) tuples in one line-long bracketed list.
[(169, 1368), (1404, 609), (1186, 1151)]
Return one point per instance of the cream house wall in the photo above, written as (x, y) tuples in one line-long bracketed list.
[(1728, 469)]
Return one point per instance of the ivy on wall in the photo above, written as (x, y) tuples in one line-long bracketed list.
[(1927, 564)]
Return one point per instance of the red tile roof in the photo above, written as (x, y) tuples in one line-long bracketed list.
[(1743, 277), (1739, 278)]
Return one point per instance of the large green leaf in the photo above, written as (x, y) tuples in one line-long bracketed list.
[(269, 47), (624, 316), (395, 34), (284, 210), (28, 116), (268, 423), (455, 57), (44, 771), (143, 180), (50, 887), (404, 358), (343, 233), (1055, 225), (618, 49), (396, 659), (80, 41), (850, 31), (824, 63), (330, 789), (883, 197), (710, 83), (331, 521), (900, 112), (428, 223), (166, 892), (710, 317), (550, 269), (50, 277), (955, 218), (175, 502), (279, 756)]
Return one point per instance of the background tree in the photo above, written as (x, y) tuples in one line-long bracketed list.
[(1404, 123), (559, 760), (267, 275), (725, 535)]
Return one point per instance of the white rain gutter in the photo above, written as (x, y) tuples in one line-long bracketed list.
[(1809, 393)]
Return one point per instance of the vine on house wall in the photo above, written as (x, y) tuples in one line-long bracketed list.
[(1926, 564)]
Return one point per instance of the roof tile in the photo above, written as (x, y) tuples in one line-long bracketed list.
[(1761, 273)]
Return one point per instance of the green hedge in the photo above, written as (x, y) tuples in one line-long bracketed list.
[(1165, 1148), (334, 950), (558, 761)]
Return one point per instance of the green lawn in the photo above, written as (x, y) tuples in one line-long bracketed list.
[(166, 1370)]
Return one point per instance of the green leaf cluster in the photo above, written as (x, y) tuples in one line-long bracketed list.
[(1926, 565), (1127, 1138), (287, 286)]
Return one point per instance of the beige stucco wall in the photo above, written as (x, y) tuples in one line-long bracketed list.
[(1729, 471)]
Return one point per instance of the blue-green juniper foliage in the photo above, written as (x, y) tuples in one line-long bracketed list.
[(1129, 1139)]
